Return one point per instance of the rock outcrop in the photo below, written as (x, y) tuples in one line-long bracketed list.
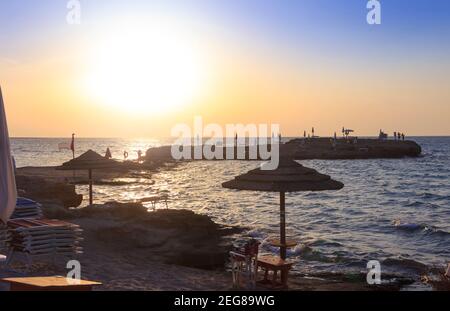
[(170, 236), (46, 191), (315, 148), (327, 148)]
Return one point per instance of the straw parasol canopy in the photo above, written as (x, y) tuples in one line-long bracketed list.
[(89, 160), (290, 176)]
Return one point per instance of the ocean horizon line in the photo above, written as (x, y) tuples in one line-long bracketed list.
[(205, 137)]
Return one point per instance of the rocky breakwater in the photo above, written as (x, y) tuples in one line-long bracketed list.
[(311, 148), (178, 237), (328, 148)]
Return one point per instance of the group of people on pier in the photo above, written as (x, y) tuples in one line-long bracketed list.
[(399, 136)]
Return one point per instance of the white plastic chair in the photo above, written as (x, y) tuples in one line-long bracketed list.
[(243, 265)]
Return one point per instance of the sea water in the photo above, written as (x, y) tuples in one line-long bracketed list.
[(396, 211)]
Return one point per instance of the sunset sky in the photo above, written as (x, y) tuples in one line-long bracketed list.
[(137, 68)]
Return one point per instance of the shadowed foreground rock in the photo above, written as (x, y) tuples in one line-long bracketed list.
[(45, 191), (170, 236)]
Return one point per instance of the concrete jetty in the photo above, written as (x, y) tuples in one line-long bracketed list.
[(309, 148)]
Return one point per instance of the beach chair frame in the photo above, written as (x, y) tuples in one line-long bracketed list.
[(244, 265), (70, 252)]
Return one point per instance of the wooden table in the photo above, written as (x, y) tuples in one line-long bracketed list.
[(276, 243), (52, 283), (274, 264)]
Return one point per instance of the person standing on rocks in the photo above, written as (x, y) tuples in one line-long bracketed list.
[(395, 135), (108, 154)]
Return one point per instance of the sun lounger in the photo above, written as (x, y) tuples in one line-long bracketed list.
[(156, 199), (4, 237), (43, 237), (26, 208)]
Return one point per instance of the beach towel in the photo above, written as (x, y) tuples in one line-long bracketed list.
[(8, 191)]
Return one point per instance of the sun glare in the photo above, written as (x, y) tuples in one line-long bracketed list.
[(146, 69)]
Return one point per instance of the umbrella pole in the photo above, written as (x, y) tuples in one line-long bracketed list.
[(90, 187), (282, 226)]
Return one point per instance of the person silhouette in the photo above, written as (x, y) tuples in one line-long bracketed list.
[(108, 154)]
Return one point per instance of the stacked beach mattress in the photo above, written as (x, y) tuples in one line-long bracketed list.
[(4, 237), (45, 237), (26, 208)]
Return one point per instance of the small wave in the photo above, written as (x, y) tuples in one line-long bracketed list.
[(298, 250), (412, 227), (255, 233), (407, 264), (439, 233), (422, 204), (320, 242), (433, 196), (313, 255)]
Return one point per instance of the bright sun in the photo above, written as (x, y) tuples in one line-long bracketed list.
[(143, 69)]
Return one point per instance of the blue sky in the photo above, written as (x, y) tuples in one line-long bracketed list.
[(406, 25), (320, 56)]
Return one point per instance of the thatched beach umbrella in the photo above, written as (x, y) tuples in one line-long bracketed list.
[(89, 161), (290, 176)]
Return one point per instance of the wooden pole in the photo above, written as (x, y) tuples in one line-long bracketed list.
[(90, 187), (282, 226), (72, 146)]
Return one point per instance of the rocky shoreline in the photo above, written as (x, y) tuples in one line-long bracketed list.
[(129, 248), (178, 237)]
